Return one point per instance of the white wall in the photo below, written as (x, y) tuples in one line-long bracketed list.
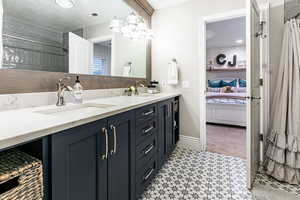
[(125, 50), (211, 54), (177, 34), (239, 51)]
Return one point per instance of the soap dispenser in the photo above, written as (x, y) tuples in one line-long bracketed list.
[(78, 91)]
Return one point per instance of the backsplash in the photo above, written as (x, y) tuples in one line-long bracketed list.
[(27, 100)]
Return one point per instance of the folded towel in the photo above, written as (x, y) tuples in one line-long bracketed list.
[(173, 73)]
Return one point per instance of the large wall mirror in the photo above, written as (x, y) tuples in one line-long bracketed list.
[(75, 36)]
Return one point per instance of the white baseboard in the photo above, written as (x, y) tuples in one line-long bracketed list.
[(189, 142)]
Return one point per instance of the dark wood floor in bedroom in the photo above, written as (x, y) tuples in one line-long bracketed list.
[(226, 140)]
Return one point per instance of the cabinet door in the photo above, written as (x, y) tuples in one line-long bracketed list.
[(75, 153), (169, 128), (165, 135), (103, 156), (121, 162)]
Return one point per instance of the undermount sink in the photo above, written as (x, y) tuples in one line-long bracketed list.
[(72, 108)]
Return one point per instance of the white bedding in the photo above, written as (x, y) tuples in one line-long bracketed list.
[(226, 98), (219, 94)]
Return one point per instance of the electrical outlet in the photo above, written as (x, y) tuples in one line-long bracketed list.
[(164, 83)]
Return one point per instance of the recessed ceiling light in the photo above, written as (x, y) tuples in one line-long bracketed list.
[(94, 15), (239, 41), (65, 3)]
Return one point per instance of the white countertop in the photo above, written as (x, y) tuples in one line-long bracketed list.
[(23, 125)]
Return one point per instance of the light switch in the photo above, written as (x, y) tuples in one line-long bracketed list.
[(185, 84)]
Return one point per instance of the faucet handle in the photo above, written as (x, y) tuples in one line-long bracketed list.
[(63, 79)]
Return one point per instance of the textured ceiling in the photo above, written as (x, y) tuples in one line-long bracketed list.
[(48, 13), (225, 33)]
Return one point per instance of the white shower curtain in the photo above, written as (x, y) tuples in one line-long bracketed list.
[(283, 141)]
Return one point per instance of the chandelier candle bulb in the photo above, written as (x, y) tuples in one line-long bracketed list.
[(133, 27)]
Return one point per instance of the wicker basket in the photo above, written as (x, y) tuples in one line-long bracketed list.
[(21, 176)]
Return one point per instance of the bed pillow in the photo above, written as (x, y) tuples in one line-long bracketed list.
[(216, 90), (239, 89), (227, 89), (231, 83), (215, 83), (242, 83)]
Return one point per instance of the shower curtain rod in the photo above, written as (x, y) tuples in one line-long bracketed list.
[(34, 41)]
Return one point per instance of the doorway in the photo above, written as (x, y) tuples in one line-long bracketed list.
[(102, 58), (254, 91), (226, 87), (103, 55)]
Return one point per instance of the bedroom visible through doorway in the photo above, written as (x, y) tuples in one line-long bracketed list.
[(226, 87)]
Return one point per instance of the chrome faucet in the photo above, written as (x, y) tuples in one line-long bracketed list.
[(61, 88), (144, 88), (137, 85)]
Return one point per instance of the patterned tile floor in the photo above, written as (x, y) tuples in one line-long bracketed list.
[(193, 175), (264, 180)]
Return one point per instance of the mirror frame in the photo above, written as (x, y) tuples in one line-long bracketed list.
[(25, 81)]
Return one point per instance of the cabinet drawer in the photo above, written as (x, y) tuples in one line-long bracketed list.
[(145, 113), (145, 151), (145, 176), (146, 130)]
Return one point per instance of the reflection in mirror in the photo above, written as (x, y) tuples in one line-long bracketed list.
[(74, 36)]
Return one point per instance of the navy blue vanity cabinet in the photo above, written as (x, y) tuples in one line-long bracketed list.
[(146, 146), (75, 155), (115, 158), (121, 159), (176, 120), (165, 131), (95, 161)]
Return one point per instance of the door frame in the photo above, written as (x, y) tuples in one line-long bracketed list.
[(113, 48), (265, 72), (205, 20)]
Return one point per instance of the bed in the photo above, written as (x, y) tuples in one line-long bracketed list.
[(226, 108)]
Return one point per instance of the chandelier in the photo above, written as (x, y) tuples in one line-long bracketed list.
[(133, 27)]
